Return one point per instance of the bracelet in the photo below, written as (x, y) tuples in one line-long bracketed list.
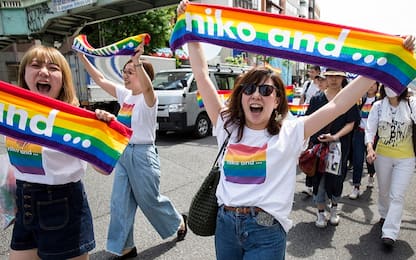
[(140, 64)]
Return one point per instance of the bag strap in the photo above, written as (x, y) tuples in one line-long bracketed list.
[(411, 112), (221, 150)]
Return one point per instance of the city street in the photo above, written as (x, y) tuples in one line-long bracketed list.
[(186, 161)]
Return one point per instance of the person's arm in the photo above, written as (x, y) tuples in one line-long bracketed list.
[(335, 137), (97, 76), (206, 88), (145, 84)]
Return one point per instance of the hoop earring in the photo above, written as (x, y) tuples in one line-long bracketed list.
[(278, 117)]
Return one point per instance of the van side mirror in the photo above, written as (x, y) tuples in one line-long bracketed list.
[(184, 83)]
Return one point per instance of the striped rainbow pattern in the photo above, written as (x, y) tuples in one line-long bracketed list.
[(223, 95), (245, 164), (122, 47), (373, 54), (124, 115), (365, 110), (73, 130), (298, 110), (289, 93)]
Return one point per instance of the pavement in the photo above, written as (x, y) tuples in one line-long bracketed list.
[(184, 163)]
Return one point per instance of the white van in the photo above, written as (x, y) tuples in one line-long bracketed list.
[(180, 107)]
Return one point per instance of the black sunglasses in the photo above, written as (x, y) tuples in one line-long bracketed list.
[(264, 89)]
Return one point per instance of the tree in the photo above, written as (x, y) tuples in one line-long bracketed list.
[(158, 23)]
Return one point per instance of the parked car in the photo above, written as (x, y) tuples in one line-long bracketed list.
[(180, 106)]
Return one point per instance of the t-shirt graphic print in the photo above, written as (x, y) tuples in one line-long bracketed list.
[(26, 157), (124, 116), (245, 164)]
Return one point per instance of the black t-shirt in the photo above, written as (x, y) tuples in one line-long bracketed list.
[(352, 115)]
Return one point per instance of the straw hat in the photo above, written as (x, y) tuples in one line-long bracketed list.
[(334, 72)]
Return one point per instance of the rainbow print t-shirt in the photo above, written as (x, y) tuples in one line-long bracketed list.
[(260, 169), (25, 157), (245, 164), (124, 116)]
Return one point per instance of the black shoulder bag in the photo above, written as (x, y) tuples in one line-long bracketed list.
[(202, 218)]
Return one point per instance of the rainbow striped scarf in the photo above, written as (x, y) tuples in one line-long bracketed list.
[(123, 47), (45, 121), (376, 55)]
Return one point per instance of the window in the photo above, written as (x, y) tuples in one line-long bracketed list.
[(225, 81)]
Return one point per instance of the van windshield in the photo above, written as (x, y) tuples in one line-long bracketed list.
[(171, 80)]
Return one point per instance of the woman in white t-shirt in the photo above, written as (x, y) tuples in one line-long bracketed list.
[(53, 218), (391, 118), (258, 169), (137, 173)]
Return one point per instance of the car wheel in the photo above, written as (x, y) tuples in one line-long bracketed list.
[(202, 126)]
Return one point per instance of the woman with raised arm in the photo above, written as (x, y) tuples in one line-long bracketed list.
[(137, 173), (258, 169)]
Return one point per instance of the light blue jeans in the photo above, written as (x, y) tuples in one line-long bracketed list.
[(136, 183), (238, 236)]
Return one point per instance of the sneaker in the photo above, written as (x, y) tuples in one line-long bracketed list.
[(334, 218), (354, 194), (387, 242), (321, 220), (308, 191), (370, 182)]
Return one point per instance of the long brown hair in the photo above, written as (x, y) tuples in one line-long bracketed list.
[(234, 113), (43, 53)]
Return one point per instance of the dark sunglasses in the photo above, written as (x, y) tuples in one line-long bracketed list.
[(264, 89)]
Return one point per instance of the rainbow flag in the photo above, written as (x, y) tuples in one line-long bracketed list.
[(298, 110), (289, 93), (223, 95), (373, 54), (41, 120), (123, 47)]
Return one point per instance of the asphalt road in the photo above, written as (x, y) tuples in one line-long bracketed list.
[(185, 162)]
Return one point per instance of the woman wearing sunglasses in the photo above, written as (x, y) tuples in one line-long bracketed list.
[(258, 168)]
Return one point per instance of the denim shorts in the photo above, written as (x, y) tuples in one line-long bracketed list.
[(55, 219)]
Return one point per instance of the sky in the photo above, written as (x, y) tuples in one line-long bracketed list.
[(396, 17)]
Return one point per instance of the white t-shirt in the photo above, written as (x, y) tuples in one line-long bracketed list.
[(38, 164), (310, 92), (260, 170), (135, 114)]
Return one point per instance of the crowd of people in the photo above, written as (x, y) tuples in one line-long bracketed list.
[(53, 219)]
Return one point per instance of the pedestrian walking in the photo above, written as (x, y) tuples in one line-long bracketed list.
[(254, 198), (391, 119), (53, 218), (137, 173)]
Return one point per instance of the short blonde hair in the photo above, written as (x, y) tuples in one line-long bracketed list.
[(43, 53)]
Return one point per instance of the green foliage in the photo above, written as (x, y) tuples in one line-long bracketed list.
[(237, 60), (158, 23)]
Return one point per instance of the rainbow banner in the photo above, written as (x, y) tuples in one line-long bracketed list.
[(223, 95), (45, 121), (373, 54), (123, 47)]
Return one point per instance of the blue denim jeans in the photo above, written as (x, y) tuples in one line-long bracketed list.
[(55, 219), (136, 183), (238, 236)]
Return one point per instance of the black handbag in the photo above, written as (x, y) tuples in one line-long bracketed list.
[(202, 216)]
